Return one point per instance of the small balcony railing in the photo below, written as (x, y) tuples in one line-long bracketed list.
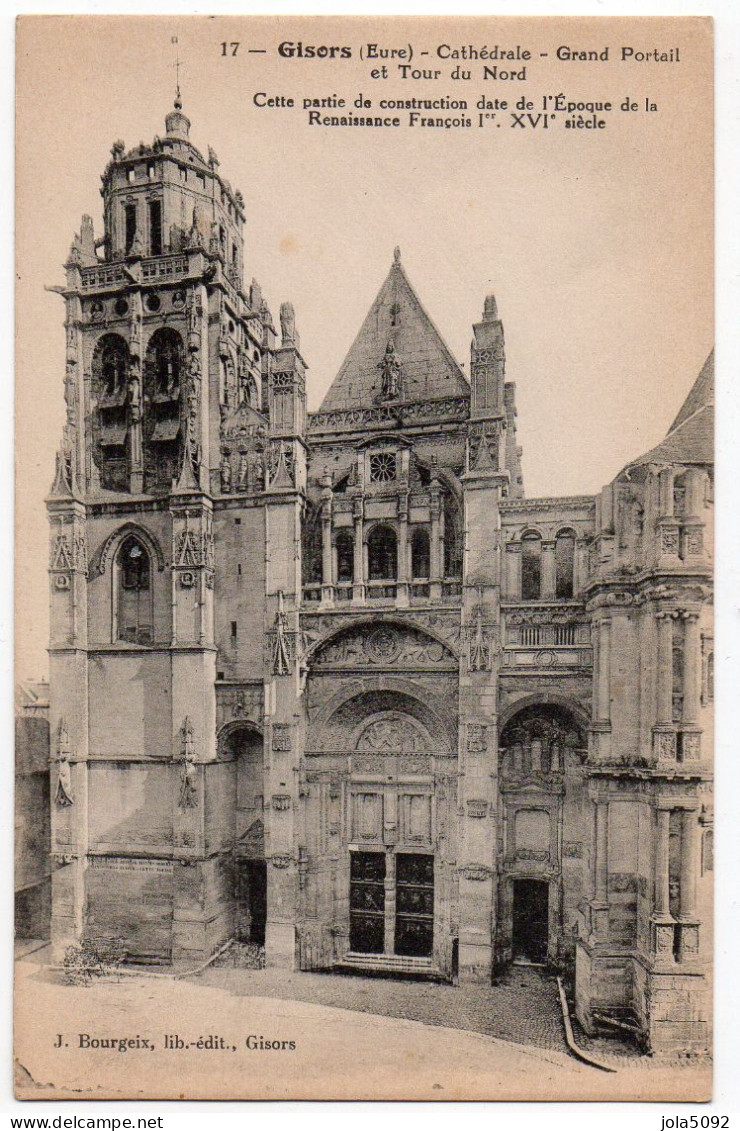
[(381, 590)]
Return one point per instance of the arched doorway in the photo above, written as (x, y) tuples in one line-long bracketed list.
[(541, 748), (243, 744)]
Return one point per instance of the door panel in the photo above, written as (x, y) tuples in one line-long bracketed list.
[(414, 905), (367, 902)]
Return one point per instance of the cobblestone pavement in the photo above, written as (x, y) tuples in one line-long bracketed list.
[(522, 1008)]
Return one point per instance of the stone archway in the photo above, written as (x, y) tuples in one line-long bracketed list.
[(536, 740), (242, 744), (542, 744)]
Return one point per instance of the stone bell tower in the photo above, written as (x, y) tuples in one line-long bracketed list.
[(164, 349)]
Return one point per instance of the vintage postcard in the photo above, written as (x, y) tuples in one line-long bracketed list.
[(365, 469)]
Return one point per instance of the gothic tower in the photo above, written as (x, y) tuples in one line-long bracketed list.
[(158, 530)]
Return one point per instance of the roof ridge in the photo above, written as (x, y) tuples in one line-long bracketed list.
[(420, 363)]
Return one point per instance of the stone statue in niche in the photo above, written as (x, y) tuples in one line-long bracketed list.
[(258, 471), (134, 391), (188, 788), (242, 478), (194, 237), (225, 471), (63, 796), (287, 324), (63, 475), (390, 371), (69, 392)]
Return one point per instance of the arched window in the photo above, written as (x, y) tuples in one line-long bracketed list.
[(382, 554), (345, 557), (420, 554), (311, 545), (452, 538), (164, 363), (134, 593), (531, 567), (565, 553), (110, 363)]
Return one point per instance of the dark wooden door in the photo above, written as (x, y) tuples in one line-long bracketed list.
[(414, 905), (367, 902)]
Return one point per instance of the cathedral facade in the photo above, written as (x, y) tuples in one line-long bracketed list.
[(331, 683)]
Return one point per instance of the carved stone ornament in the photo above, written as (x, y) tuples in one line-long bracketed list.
[(665, 746), (282, 643), (281, 802), (476, 872), (476, 738), (535, 854), (479, 643), (281, 860), (669, 540), (281, 738)]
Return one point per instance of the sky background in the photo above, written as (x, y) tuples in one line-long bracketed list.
[(598, 245)]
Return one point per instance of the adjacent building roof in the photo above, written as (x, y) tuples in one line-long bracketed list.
[(690, 439), (427, 369)]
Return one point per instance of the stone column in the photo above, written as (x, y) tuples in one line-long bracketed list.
[(327, 578), (513, 571), (664, 708), (402, 569), (595, 674), (691, 668), (601, 854), (661, 875), (689, 857), (358, 579), (548, 571), (389, 935), (436, 560), (599, 902), (580, 566), (604, 673)]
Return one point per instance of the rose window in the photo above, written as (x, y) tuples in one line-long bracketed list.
[(382, 467)]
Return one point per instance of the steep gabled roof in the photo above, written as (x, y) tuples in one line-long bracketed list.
[(690, 439), (428, 370), (701, 395)]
